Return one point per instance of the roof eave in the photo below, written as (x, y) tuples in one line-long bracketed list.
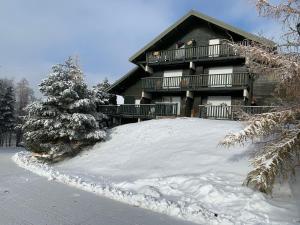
[(123, 78)]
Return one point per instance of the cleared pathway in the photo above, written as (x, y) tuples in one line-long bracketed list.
[(27, 199)]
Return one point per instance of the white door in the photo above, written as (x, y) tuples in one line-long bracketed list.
[(172, 79), (218, 106), (220, 76), (214, 48), (178, 101), (173, 99)]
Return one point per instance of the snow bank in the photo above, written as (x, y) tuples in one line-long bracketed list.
[(175, 166)]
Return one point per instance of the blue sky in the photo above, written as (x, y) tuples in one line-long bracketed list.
[(35, 34)]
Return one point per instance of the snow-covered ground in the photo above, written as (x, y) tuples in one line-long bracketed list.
[(28, 199), (175, 166)]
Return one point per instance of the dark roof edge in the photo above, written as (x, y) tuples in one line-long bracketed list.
[(209, 19), (117, 82)]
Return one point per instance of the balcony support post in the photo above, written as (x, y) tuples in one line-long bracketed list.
[(148, 69), (245, 94), (192, 66), (146, 98), (146, 95), (189, 101), (189, 94)]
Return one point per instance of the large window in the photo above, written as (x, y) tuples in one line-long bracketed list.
[(214, 48), (180, 51), (172, 79), (220, 76), (173, 99), (220, 106)]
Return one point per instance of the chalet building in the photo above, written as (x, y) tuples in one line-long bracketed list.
[(191, 70)]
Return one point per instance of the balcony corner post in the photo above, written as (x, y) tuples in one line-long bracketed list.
[(146, 95), (192, 66), (148, 69)]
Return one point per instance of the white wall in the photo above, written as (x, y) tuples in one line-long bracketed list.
[(120, 99)]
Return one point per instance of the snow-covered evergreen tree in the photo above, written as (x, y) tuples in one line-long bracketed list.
[(24, 97), (2, 122), (7, 111), (100, 97), (104, 85), (67, 119), (101, 89)]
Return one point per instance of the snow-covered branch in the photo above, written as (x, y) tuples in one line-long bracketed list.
[(278, 159), (259, 125)]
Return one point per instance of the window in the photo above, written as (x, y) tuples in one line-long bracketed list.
[(214, 48), (219, 106), (180, 50), (173, 99), (172, 79), (220, 76)]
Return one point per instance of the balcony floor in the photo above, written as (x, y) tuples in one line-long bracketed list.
[(199, 60)]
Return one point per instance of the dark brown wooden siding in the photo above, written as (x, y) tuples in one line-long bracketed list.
[(134, 90), (198, 30), (263, 90)]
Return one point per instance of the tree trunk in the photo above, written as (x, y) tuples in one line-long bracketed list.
[(9, 139)]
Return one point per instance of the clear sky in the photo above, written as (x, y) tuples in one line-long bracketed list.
[(35, 34)]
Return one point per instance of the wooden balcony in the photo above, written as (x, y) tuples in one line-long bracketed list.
[(231, 112), (197, 82), (193, 53), (146, 111)]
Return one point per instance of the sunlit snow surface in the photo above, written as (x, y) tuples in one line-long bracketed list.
[(175, 166)]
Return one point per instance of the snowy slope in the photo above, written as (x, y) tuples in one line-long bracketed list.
[(175, 166)]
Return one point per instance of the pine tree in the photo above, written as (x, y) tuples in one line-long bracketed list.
[(67, 120), (9, 114), (7, 111), (2, 93), (101, 89), (104, 85), (24, 97), (100, 97)]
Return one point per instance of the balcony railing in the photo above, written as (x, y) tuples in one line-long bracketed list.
[(190, 53), (149, 111), (231, 112), (196, 82)]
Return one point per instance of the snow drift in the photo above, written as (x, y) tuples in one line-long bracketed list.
[(175, 166)]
